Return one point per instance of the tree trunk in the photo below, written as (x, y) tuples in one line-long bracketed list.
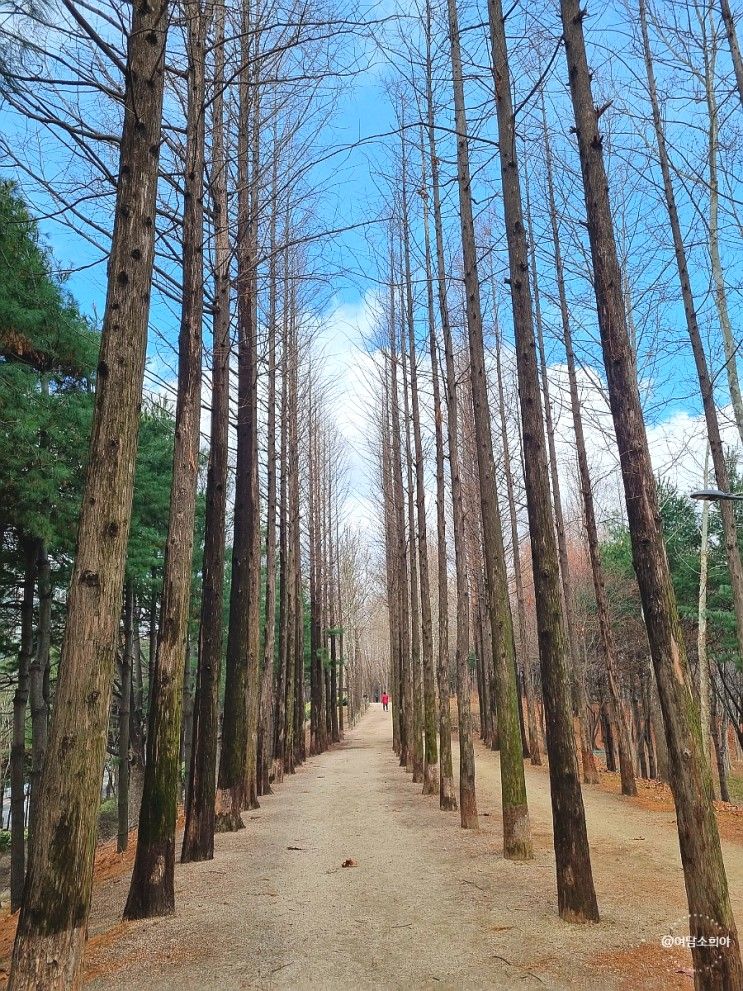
[(578, 669), (447, 798), (608, 648), (467, 795), (152, 886), (265, 737), (38, 677), (737, 59), (607, 733), (704, 872), (534, 745), (18, 745), (51, 930), (702, 659), (136, 733), (718, 730), (402, 581), (235, 730), (575, 891), (198, 836), (415, 614), (125, 681), (730, 346), (252, 117), (516, 829)]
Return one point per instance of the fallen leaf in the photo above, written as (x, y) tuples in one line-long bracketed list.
[(349, 863)]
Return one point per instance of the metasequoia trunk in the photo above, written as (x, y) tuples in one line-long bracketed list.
[(690, 780), (578, 670), (189, 690), (283, 673), (296, 712), (735, 55), (333, 617), (447, 799), (719, 728), (575, 891), (51, 930), (252, 118), (531, 714), (401, 558), (18, 744), (390, 548), (516, 830), (467, 795), (415, 626), (234, 749), (198, 836), (430, 754), (608, 648), (702, 659), (317, 724), (730, 346), (478, 615), (125, 682), (152, 886), (136, 719), (39, 681), (294, 742), (265, 742), (341, 634), (722, 476)]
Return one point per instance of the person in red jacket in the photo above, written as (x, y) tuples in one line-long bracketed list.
[(385, 701)]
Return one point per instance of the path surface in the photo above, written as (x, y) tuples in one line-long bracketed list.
[(427, 906)]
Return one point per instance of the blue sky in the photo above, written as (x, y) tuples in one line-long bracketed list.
[(352, 184)]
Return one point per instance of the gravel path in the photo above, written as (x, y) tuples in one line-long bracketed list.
[(426, 905)]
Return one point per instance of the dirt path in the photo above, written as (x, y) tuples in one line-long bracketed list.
[(426, 906)]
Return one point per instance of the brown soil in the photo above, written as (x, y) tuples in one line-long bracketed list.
[(656, 797), (425, 905)]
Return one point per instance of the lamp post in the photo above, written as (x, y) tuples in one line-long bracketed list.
[(716, 495)]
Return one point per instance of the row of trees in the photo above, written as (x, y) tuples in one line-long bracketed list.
[(191, 656), (470, 425)]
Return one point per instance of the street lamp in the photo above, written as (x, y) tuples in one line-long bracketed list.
[(717, 495)]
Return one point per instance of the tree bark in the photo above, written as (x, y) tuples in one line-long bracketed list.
[(608, 648), (284, 674), (737, 59), (415, 613), (28, 548), (447, 798), (38, 678), (578, 670), (531, 715), (576, 894), (402, 580), (152, 886), (198, 836), (729, 343), (235, 723), (265, 738), (125, 681), (516, 829)]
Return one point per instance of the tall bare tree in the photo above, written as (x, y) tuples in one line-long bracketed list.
[(516, 829), (690, 779), (52, 926), (198, 837)]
